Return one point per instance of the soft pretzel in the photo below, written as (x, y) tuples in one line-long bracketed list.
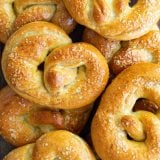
[(115, 121), (22, 122), (74, 74), (115, 19), (16, 13), (56, 145)]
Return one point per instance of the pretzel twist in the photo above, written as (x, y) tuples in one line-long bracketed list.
[(115, 19), (74, 74), (54, 145), (16, 13), (22, 122), (115, 119)]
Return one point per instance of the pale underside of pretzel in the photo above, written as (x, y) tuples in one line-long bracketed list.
[(74, 74), (22, 122), (115, 19), (115, 119), (55, 145), (16, 13)]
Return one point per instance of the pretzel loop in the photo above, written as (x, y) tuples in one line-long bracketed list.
[(135, 135), (70, 70)]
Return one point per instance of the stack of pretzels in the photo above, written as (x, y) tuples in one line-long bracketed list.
[(105, 84)]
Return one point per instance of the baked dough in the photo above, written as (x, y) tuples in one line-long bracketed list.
[(115, 119), (74, 74), (22, 122), (16, 13), (115, 19), (57, 145)]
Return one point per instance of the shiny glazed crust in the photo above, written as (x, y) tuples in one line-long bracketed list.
[(55, 145), (115, 19), (115, 120), (16, 13), (22, 122), (74, 74)]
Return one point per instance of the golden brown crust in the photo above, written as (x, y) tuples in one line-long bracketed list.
[(74, 74), (115, 118), (143, 49), (115, 19), (54, 146), (22, 122), (121, 55), (108, 47), (7, 18), (16, 13)]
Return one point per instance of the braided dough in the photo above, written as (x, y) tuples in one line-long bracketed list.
[(74, 74), (57, 145), (16, 13), (115, 19), (115, 120), (22, 122)]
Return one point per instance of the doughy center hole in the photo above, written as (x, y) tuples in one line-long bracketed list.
[(132, 3)]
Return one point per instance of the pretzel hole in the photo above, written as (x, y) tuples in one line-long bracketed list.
[(77, 33), (158, 24), (41, 66), (81, 68), (146, 105), (129, 137), (132, 3)]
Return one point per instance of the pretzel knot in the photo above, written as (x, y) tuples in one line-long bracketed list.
[(16, 13), (115, 19), (55, 145), (22, 122), (122, 133), (74, 74)]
